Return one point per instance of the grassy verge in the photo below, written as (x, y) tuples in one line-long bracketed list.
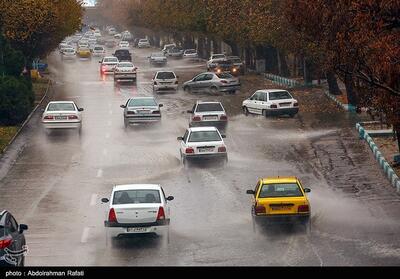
[(8, 132)]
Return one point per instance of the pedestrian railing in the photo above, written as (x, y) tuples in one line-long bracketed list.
[(282, 81), (389, 172)]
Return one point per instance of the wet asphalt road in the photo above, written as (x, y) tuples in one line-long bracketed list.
[(54, 182)]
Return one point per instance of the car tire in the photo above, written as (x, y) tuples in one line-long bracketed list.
[(307, 226), (245, 111)]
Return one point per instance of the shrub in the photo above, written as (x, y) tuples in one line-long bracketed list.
[(16, 100)]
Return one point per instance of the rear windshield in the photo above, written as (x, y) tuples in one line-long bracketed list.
[(125, 64), (224, 75), (202, 136), (279, 95), (209, 107), (110, 59), (143, 41), (61, 106), (136, 196), (218, 56), (98, 48), (158, 54), (142, 102), (280, 190), (122, 51), (166, 75)]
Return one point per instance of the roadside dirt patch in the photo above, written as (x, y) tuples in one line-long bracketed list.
[(388, 147)]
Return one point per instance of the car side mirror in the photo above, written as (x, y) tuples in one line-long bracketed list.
[(223, 136), (160, 105), (179, 138), (80, 109), (250, 192), (307, 190), (123, 106), (170, 198), (22, 228), (189, 111), (105, 200)]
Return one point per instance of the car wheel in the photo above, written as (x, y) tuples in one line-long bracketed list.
[(214, 90), (245, 111), (307, 226)]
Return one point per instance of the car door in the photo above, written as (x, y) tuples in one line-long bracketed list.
[(253, 103), (259, 102), (262, 101), (207, 83), (196, 84), (183, 142)]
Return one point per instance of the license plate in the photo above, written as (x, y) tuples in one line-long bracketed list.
[(206, 149), (138, 230), (210, 117), (60, 118), (281, 207), (144, 111), (284, 104)]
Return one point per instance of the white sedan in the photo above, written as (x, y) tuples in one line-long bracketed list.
[(202, 143), (124, 44), (137, 209), (271, 102), (62, 115)]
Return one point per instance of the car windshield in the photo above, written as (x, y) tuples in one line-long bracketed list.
[(157, 54), (98, 48), (61, 107), (280, 190), (279, 95), (209, 107), (111, 60), (143, 41), (218, 56), (165, 75), (235, 60), (224, 75), (122, 51), (145, 102), (204, 136), (136, 196), (190, 51), (125, 65), (69, 50)]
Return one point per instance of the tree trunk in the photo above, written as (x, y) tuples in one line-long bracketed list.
[(351, 96), (271, 61), (306, 72), (332, 83)]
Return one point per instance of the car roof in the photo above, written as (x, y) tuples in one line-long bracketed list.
[(110, 57), (208, 102), (201, 129), (166, 71), (279, 179), (61, 102), (271, 90), (142, 97), (137, 187)]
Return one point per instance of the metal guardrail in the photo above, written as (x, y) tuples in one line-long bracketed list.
[(389, 172), (282, 80)]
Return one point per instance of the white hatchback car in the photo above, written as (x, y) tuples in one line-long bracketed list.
[(208, 114), (108, 64), (62, 115), (137, 209), (271, 102), (123, 44), (98, 51), (202, 143), (164, 81)]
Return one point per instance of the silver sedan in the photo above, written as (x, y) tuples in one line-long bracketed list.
[(213, 83), (141, 110)]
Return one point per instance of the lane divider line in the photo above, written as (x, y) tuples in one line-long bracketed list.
[(85, 235), (93, 200)]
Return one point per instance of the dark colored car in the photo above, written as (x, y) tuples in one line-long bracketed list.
[(123, 55), (12, 241), (225, 66)]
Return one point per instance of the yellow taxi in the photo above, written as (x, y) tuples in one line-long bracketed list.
[(83, 52), (281, 199)]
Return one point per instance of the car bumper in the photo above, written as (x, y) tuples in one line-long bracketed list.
[(282, 111), (124, 76), (208, 123), (227, 88), (282, 218), (62, 125), (143, 119), (158, 61), (170, 87), (119, 229), (220, 155)]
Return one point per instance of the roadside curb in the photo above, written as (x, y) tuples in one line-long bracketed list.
[(282, 80), (346, 107), (389, 172), (27, 119)]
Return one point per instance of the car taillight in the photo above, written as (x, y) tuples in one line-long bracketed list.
[(103, 68), (135, 68), (224, 81), (196, 118), (4, 243), (176, 82), (72, 117), (130, 112), (161, 213), (222, 149), (303, 208), (156, 112), (155, 83), (274, 106), (223, 117), (296, 104), (49, 117), (189, 150), (260, 209), (111, 216)]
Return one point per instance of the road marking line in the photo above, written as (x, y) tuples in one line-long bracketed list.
[(99, 173), (85, 235), (93, 200)]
